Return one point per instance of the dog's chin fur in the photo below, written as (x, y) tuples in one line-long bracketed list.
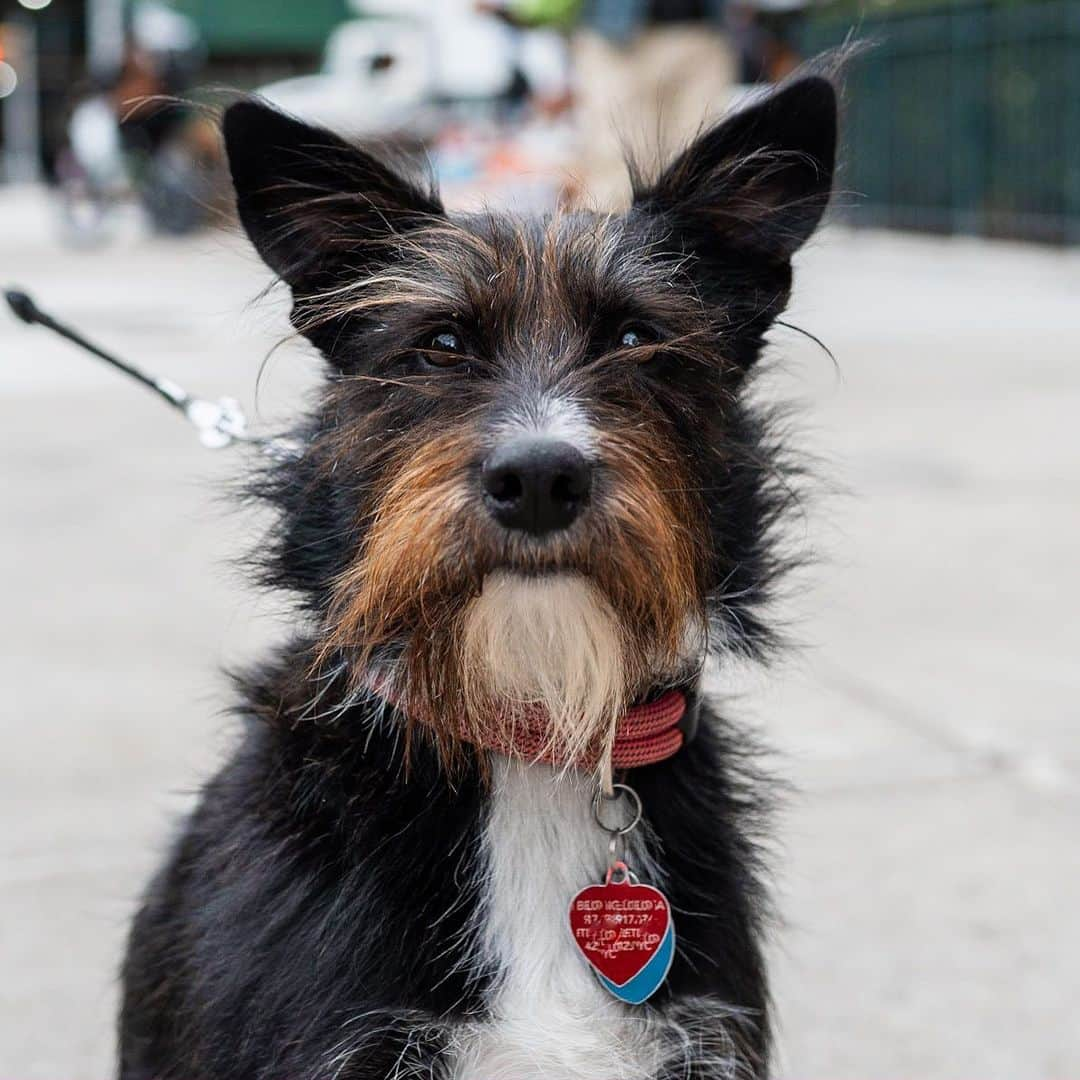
[(552, 644)]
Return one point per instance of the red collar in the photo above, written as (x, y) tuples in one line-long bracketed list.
[(646, 734), (650, 732)]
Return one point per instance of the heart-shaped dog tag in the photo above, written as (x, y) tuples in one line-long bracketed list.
[(624, 930)]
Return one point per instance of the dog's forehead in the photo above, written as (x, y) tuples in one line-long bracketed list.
[(550, 273)]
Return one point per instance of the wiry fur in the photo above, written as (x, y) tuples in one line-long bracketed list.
[(552, 644), (645, 546), (362, 892), (548, 1016)]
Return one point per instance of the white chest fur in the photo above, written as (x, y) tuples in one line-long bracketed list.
[(549, 1017)]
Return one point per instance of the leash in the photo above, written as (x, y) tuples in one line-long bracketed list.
[(217, 423)]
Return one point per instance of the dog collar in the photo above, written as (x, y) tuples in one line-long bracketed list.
[(647, 733)]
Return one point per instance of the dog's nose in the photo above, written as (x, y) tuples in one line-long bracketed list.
[(536, 485)]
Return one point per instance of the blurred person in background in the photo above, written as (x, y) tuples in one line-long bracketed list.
[(649, 74), (135, 136)]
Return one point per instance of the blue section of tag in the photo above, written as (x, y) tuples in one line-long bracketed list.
[(650, 978)]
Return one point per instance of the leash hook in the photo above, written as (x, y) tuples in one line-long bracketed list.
[(217, 423)]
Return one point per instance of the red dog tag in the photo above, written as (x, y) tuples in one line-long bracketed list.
[(619, 927)]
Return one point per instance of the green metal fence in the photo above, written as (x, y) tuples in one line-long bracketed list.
[(268, 27), (964, 120)]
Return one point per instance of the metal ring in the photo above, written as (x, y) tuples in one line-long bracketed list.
[(628, 875), (616, 791)]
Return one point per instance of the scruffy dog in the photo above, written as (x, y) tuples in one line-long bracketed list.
[(532, 496)]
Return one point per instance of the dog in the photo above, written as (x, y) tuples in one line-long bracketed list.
[(533, 495)]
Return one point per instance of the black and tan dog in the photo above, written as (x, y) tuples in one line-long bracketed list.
[(533, 486)]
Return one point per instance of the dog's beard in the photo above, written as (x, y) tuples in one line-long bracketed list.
[(538, 661), (551, 645), (577, 629)]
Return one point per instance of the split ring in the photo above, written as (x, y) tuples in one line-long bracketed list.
[(616, 791)]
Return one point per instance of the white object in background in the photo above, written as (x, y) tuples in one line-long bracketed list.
[(95, 141), (376, 73), (544, 60), (394, 9), (157, 28), (474, 54)]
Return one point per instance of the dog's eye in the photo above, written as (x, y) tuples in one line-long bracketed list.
[(637, 335), (639, 346), (447, 341), (443, 349)]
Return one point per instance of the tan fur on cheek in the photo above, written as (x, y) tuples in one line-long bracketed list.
[(649, 550), (406, 566)]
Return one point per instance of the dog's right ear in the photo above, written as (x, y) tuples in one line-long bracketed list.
[(319, 211)]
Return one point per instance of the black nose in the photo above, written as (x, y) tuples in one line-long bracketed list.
[(537, 485)]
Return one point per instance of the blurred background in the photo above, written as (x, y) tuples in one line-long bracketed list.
[(928, 856)]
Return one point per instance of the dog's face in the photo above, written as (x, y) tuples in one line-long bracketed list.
[(533, 478)]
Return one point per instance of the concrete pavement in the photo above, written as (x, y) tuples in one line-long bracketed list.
[(929, 865)]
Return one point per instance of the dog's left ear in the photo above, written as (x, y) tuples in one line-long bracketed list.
[(758, 183)]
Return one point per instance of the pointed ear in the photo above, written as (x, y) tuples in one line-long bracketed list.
[(757, 183), (317, 209)]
